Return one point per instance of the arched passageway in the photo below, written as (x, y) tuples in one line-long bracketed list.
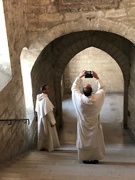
[(55, 56), (112, 112)]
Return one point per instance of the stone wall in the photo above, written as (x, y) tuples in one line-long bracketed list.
[(12, 104), (44, 15), (131, 101), (99, 61), (13, 92), (15, 139)]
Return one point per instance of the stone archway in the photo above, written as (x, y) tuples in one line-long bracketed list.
[(44, 38), (54, 58)]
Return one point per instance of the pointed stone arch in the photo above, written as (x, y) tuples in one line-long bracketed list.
[(55, 56)]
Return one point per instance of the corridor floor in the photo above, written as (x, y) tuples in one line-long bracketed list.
[(62, 164), (111, 117)]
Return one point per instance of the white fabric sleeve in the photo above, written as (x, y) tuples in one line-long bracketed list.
[(50, 117), (76, 85), (101, 86)]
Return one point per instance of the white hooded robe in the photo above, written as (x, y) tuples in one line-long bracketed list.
[(47, 135), (90, 140)]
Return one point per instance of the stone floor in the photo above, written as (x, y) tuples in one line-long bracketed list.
[(111, 117), (62, 164)]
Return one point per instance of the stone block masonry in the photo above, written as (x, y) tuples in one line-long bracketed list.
[(15, 140)]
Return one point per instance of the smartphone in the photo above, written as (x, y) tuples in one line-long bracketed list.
[(88, 74)]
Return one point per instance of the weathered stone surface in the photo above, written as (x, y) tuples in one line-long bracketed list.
[(116, 13), (52, 9), (89, 60), (50, 17), (71, 16), (85, 5)]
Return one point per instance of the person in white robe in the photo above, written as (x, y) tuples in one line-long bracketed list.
[(90, 139), (47, 133)]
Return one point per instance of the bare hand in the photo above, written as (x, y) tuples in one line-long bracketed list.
[(95, 75), (82, 74)]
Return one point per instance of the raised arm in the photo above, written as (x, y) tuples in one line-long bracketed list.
[(100, 83), (78, 83)]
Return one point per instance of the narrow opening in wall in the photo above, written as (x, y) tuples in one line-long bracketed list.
[(5, 66), (112, 111)]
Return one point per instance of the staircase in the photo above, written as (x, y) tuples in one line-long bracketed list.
[(62, 164)]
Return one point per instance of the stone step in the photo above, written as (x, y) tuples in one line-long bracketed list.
[(62, 164)]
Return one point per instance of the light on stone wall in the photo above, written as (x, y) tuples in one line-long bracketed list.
[(28, 59), (94, 59), (5, 67)]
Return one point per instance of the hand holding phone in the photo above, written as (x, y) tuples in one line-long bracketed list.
[(88, 74)]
